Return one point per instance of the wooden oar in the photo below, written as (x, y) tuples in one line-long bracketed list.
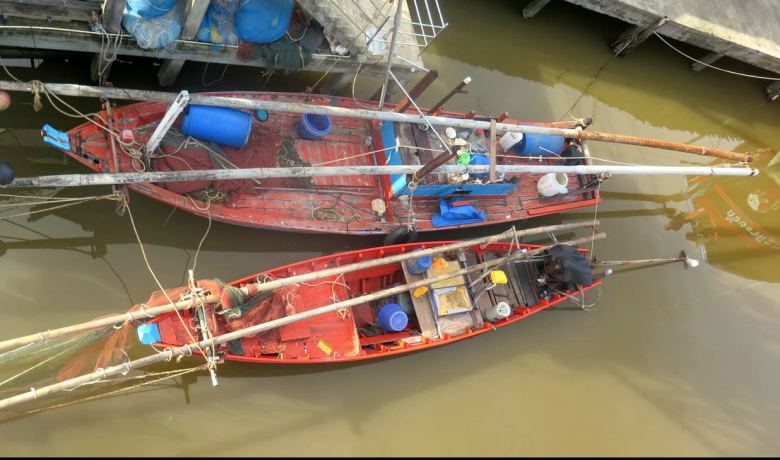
[(690, 263), (185, 304), (187, 350), (80, 180), (294, 107)]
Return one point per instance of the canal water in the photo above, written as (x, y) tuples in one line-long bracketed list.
[(669, 362)]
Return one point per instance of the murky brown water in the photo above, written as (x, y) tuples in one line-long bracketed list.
[(671, 362)]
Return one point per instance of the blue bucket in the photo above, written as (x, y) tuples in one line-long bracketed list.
[(418, 265), (313, 127), (217, 124), (534, 145), (479, 160), (392, 318)]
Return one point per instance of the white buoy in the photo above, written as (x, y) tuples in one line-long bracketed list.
[(5, 100)]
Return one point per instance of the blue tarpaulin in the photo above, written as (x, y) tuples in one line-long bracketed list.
[(456, 215)]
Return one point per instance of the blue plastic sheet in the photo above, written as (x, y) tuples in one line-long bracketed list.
[(150, 9)]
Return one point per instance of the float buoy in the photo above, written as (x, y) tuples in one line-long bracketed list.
[(5, 100), (7, 173)]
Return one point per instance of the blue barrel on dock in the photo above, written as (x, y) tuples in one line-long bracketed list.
[(392, 318), (217, 124), (539, 145), (313, 127)]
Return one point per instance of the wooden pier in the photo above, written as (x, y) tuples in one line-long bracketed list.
[(745, 30), (69, 26)]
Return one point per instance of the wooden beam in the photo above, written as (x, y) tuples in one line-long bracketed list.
[(55, 10), (492, 151), (100, 68), (418, 89), (112, 15), (629, 39), (194, 13), (534, 7), (708, 59)]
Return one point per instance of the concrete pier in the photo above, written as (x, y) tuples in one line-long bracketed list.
[(352, 22), (746, 30)]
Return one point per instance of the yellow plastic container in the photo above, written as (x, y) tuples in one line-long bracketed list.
[(498, 277), (420, 291)]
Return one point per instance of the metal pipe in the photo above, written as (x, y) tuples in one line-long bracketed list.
[(396, 25), (78, 180), (64, 89)]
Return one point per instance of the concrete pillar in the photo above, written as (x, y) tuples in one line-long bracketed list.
[(194, 13), (392, 87), (629, 39), (534, 7), (99, 69), (335, 82), (708, 59), (169, 71), (112, 15)]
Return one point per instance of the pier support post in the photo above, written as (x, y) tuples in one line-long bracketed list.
[(635, 35), (392, 87), (169, 71), (112, 15), (708, 59), (534, 7), (336, 82), (194, 13), (773, 91), (99, 69)]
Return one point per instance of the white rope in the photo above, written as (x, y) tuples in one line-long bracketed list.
[(712, 66)]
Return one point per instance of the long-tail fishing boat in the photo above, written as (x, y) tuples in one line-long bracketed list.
[(115, 140), (444, 312)]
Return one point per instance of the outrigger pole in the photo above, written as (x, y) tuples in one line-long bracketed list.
[(294, 107), (79, 180), (186, 350), (187, 303)]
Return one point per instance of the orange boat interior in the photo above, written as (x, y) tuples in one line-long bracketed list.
[(449, 310)]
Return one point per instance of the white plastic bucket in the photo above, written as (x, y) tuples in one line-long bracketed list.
[(498, 312), (510, 139), (552, 184)]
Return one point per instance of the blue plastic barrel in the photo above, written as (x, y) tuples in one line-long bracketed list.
[(392, 318), (479, 160), (313, 127), (217, 124), (539, 145), (418, 265)]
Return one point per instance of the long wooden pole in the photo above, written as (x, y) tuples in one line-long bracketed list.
[(151, 312), (80, 180), (187, 350), (293, 107)]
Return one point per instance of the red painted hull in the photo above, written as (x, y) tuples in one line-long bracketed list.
[(340, 333), (350, 197)]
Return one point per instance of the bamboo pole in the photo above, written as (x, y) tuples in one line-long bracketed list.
[(174, 352), (64, 89), (80, 180), (623, 263), (151, 312)]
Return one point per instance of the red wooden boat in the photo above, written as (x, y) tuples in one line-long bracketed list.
[(340, 204), (459, 308)]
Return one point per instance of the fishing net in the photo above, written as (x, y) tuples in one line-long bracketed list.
[(158, 32)]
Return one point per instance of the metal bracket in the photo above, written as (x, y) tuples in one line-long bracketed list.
[(176, 108)]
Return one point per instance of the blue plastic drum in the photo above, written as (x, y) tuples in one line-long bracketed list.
[(217, 124), (479, 160), (313, 127), (539, 145), (392, 318)]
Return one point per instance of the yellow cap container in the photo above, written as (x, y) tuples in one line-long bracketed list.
[(498, 277)]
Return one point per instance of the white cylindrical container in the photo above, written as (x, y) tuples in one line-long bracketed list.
[(509, 139), (498, 312), (552, 184)]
